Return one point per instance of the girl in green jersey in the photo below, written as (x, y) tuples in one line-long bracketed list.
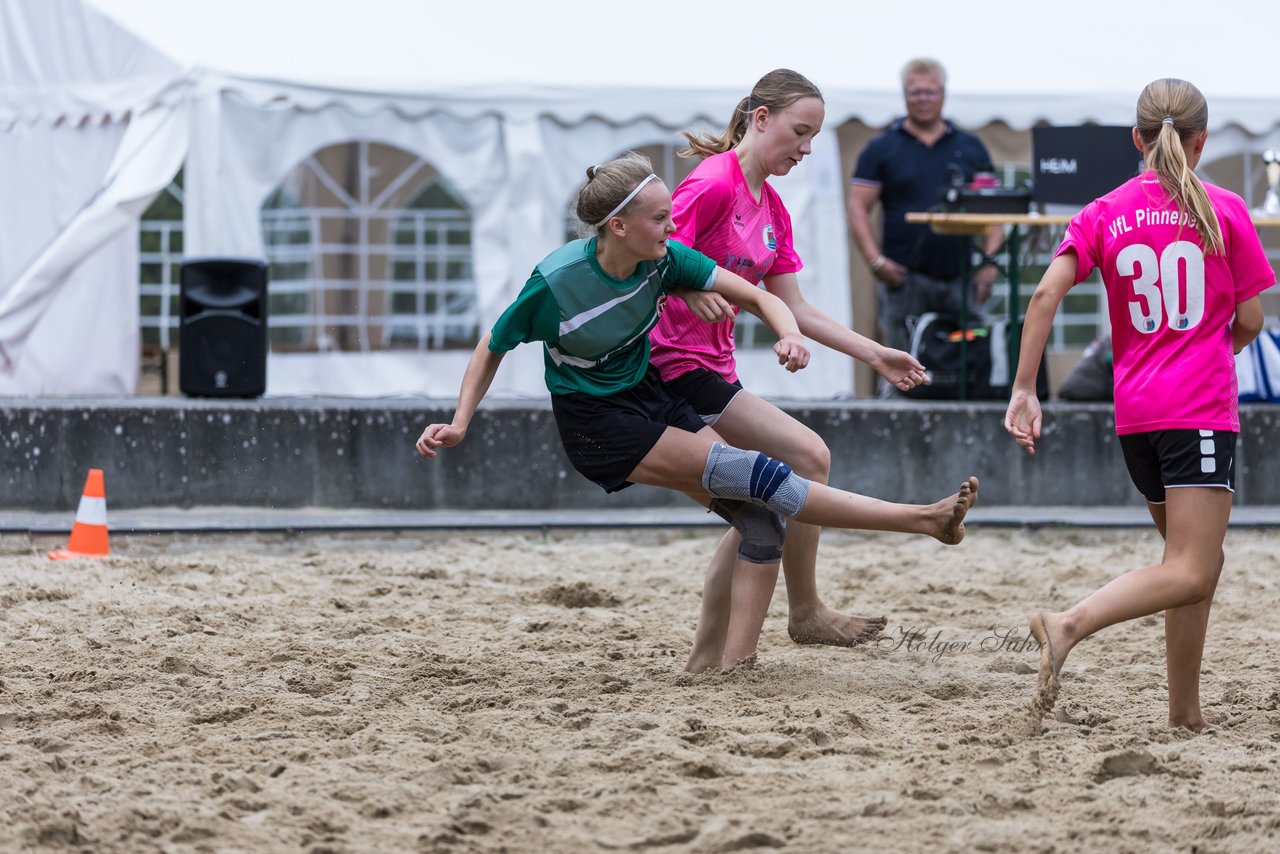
[(591, 304)]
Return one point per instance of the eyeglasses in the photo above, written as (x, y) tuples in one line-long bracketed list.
[(923, 93)]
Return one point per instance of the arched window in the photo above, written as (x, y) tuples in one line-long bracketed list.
[(369, 250)]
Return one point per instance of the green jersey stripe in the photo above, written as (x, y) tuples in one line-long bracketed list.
[(574, 322)]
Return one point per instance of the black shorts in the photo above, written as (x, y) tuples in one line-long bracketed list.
[(1164, 459), (706, 391), (607, 437)]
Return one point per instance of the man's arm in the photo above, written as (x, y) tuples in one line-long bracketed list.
[(863, 199)]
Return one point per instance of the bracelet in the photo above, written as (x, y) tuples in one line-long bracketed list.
[(989, 259), (877, 263)]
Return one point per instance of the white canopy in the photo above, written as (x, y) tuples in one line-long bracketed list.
[(101, 121)]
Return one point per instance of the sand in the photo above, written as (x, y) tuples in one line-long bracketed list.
[(523, 692)]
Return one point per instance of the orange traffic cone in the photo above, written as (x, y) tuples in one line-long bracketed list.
[(89, 534)]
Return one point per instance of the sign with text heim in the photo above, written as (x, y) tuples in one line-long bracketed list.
[(1075, 165)]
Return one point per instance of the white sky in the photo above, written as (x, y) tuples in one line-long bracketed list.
[(1227, 48)]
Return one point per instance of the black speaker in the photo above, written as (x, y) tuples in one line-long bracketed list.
[(223, 329)]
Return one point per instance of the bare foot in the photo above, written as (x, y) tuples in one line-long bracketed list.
[(947, 516), (1050, 664), (829, 626), (748, 663), (702, 660), (1197, 725)]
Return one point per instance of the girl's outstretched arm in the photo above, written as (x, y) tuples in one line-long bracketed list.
[(475, 383), (899, 368), (1022, 419), (790, 348)]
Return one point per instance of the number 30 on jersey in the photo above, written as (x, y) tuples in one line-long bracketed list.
[(1157, 282)]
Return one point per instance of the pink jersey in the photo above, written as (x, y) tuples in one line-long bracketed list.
[(1171, 305), (715, 214)]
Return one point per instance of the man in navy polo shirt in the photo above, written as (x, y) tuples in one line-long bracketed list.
[(906, 169)]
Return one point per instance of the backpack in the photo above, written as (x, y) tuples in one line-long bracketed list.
[(935, 341)]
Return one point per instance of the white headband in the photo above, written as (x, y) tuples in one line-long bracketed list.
[(622, 204)]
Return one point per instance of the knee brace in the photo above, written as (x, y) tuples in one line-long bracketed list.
[(763, 533), (752, 476)]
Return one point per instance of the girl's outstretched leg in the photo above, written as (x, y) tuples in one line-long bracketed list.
[(943, 520), (684, 461)]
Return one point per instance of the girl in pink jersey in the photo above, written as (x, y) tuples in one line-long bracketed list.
[(1183, 268), (727, 210)]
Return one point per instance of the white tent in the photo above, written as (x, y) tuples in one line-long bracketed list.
[(101, 121), (84, 112)]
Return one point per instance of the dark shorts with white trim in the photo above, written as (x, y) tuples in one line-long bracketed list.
[(605, 438), (1166, 459), (706, 391)]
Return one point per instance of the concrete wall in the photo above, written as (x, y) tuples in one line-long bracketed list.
[(358, 453)]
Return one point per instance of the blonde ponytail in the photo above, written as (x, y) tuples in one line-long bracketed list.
[(1170, 111), (776, 91), (707, 144)]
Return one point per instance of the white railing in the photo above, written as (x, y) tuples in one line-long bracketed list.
[(424, 297)]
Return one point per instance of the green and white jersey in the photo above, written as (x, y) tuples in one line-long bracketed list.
[(595, 328)]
